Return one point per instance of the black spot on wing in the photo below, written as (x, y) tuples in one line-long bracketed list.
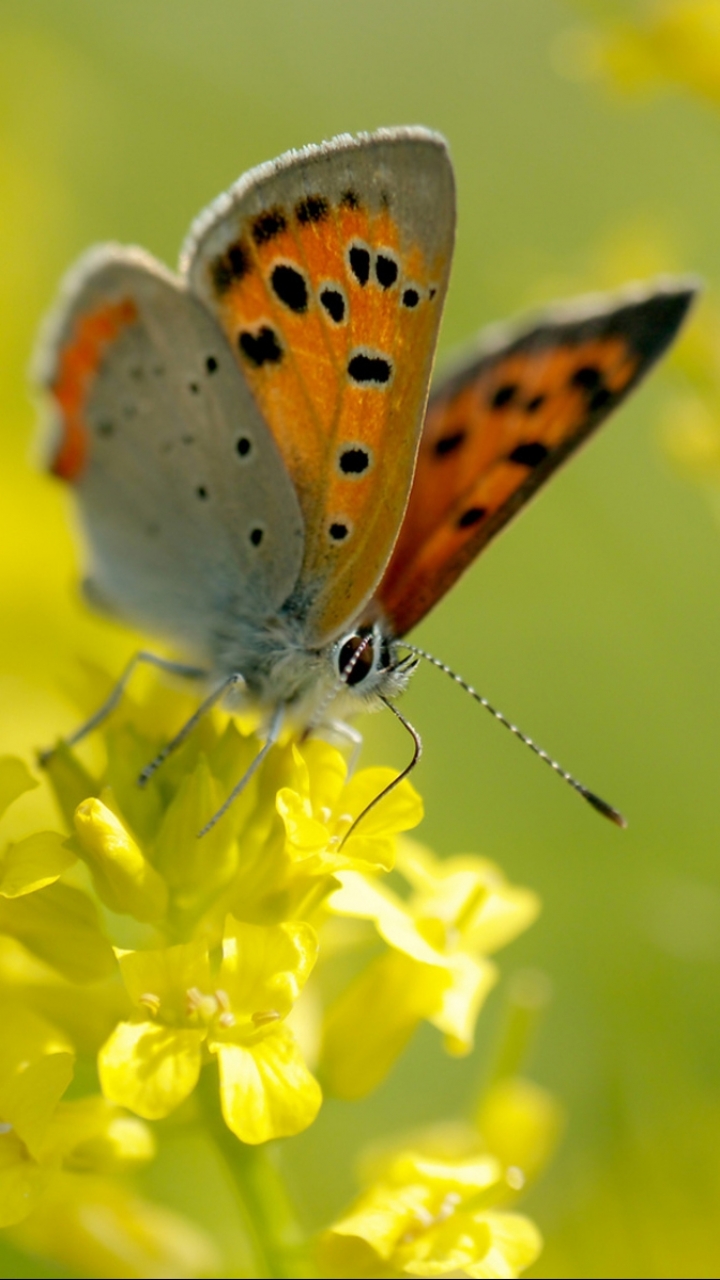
[(350, 199), (472, 516), (536, 403), (359, 259), (504, 395), (201, 492), (230, 267), (368, 369), (267, 225), (312, 209), (256, 536), (354, 460), (243, 446), (410, 298), (588, 377), (211, 364), (386, 270), (449, 443), (289, 286), (530, 454), (261, 347), (338, 531), (333, 302)]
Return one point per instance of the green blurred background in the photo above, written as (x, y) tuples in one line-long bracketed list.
[(594, 622)]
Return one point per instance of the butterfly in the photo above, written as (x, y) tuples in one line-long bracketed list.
[(259, 473)]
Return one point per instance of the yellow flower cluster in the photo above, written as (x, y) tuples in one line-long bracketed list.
[(169, 967), (663, 43)]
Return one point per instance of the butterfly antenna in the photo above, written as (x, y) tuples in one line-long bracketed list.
[(597, 802), (417, 752)]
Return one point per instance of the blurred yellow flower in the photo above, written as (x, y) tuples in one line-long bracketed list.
[(436, 967), (431, 1217)]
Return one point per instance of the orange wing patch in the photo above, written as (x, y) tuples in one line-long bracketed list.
[(327, 315), (502, 425), (79, 362)]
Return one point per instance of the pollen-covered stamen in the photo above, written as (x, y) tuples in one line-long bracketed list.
[(425, 1220), (208, 1007), (262, 1017), (151, 1002)]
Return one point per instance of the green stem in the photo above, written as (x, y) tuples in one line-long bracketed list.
[(269, 1218)]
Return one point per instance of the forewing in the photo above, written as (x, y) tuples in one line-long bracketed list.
[(499, 426), (190, 516), (327, 270)]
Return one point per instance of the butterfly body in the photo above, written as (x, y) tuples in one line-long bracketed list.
[(259, 475)]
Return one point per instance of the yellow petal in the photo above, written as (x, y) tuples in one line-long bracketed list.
[(32, 863), (367, 900), (266, 967), (93, 1135), (60, 925), (15, 778), (166, 975), (305, 833), (124, 879), (31, 1097), (93, 1226), (515, 1243), (195, 868), (150, 1069), (21, 1181), (266, 1091), (369, 1026), (26, 1037), (398, 811), (471, 982)]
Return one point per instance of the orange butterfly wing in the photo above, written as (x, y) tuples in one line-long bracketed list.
[(499, 426), (327, 271)]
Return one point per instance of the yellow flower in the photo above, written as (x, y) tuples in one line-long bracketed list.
[(672, 42), (234, 1012), (436, 968), (431, 1217), (172, 962)]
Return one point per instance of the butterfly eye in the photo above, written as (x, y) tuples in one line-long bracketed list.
[(355, 657)]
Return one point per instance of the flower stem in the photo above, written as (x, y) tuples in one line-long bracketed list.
[(269, 1218)]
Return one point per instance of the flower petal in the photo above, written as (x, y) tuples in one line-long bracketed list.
[(266, 966), (15, 778), (21, 1181), (166, 976), (370, 1024), (471, 982), (60, 925), (32, 863), (96, 1227), (150, 1069), (31, 1097), (266, 1091), (515, 1243)]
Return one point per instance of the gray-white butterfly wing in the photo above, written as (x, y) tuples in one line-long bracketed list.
[(193, 527)]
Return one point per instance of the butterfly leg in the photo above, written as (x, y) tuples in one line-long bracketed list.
[(212, 699), (110, 703), (272, 737)]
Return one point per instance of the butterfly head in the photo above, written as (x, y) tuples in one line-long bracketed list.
[(366, 662)]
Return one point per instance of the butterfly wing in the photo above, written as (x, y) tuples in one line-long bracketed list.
[(502, 422), (190, 516), (327, 271)]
